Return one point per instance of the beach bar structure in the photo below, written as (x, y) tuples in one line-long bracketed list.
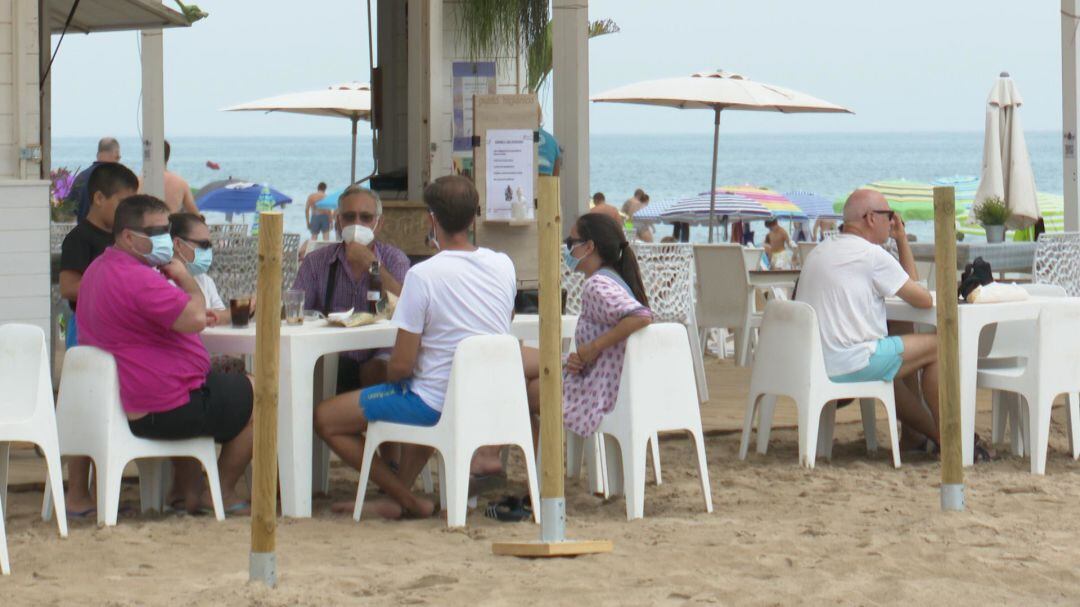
[(26, 44), (419, 45)]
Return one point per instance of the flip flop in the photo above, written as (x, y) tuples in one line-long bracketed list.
[(83, 514), (175, 507)]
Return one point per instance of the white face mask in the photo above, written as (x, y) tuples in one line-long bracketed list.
[(359, 234)]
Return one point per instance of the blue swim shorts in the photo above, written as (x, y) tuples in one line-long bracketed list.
[(395, 402), (320, 222), (884, 363)]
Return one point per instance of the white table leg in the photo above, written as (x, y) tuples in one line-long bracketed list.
[(295, 431)]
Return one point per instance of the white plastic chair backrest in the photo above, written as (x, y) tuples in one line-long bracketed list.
[(667, 272), (1057, 261), (24, 372), (789, 347), (723, 285), (89, 396), (487, 386), (658, 370), (752, 257), (1057, 357)]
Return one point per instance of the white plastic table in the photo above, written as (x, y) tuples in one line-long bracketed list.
[(301, 348), (972, 319)]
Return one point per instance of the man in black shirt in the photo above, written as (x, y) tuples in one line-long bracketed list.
[(110, 183)]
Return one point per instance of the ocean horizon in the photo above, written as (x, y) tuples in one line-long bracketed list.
[(665, 166)]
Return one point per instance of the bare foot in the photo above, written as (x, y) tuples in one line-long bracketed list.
[(486, 461), (343, 507), (79, 505)]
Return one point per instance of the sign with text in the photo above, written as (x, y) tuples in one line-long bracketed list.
[(510, 168)]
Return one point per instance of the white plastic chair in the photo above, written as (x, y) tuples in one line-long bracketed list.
[(656, 394), (486, 404), (725, 298), (92, 423), (1051, 366), (1000, 345), (26, 414), (790, 363)]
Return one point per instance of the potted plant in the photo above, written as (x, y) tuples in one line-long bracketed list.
[(992, 214)]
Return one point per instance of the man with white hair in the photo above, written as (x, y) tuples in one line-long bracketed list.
[(334, 278), (846, 280)]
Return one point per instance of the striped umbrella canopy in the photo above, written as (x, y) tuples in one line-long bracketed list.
[(1051, 207), (695, 209), (780, 206), (913, 200), (814, 205), (965, 186)]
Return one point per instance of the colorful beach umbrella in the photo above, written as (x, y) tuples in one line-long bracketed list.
[(1051, 207), (778, 204), (814, 205), (964, 185), (329, 202), (705, 208), (236, 197), (718, 91), (913, 200)]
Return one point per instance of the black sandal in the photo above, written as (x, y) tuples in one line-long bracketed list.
[(510, 510)]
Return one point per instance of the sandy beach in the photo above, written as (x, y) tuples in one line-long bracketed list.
[(853, 531)]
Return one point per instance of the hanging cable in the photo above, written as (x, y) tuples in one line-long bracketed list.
[(67, 24)]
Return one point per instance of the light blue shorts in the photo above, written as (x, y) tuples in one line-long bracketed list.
[(883, 366), (395, 402)]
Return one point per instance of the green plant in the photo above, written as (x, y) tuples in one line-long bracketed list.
[(992, 212), (495, 27), (540, 57)]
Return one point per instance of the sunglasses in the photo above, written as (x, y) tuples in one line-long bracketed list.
[(571, 242), (353, 216), (890, 213), (151, 231), (201, 244)]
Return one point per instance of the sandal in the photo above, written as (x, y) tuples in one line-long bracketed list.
[(510, 510)]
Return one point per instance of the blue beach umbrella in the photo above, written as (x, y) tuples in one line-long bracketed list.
[(814, 205), (698, 209), (237, 197)]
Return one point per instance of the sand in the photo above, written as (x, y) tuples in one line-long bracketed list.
[(853, 531)]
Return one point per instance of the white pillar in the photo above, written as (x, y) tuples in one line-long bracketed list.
[(570, 66), (1070, 113), (425, 53), (153, 110)]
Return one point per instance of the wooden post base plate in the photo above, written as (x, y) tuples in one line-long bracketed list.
[(552, 549)]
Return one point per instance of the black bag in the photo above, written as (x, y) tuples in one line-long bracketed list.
[(976, 274)]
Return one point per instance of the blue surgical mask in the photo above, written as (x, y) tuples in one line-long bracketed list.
[(568, 257), (201, 263), (161, 252)]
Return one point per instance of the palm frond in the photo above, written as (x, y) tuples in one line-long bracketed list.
[(497, 27), (539, 59)]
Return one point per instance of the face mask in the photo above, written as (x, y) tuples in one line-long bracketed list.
[(201, 263), (571, 261), (161, 252), (359, 234)]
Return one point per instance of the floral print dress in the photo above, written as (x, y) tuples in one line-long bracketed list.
[(587, 397)]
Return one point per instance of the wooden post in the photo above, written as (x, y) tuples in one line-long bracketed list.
[(263, 562), (552, 497), (952, 471)]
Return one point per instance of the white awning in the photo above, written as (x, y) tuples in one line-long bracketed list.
[(113, 15)]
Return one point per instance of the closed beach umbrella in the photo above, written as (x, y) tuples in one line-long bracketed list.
[(350, 100), (1006, 168), (778, 204), (814, 205), (236, 197), (718, 91), (704, 208)]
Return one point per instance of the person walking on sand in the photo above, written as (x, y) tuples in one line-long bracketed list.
[(318, 220)]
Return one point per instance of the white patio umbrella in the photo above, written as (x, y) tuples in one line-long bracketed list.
[(718, 91), (1006, 168), (350, 100)]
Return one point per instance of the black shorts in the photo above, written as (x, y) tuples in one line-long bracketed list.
[(221, 409)]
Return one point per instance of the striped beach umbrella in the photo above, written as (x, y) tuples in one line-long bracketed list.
[(913, 200), (814, 205), (965, 186), (730, 207), (778, 204), (1051, 207)]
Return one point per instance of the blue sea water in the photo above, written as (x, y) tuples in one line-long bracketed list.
[(665, 166)]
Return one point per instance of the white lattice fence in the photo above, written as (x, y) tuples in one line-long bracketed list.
[(1057, 261)]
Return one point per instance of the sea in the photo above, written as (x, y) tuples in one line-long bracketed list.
[(664, 166)]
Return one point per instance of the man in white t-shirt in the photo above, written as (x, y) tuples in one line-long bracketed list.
[(460, 292), (846, 280)]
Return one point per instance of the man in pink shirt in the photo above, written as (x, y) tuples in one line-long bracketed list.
[(129, 308)]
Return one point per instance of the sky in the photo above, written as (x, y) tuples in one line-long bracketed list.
[(918, 65)]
